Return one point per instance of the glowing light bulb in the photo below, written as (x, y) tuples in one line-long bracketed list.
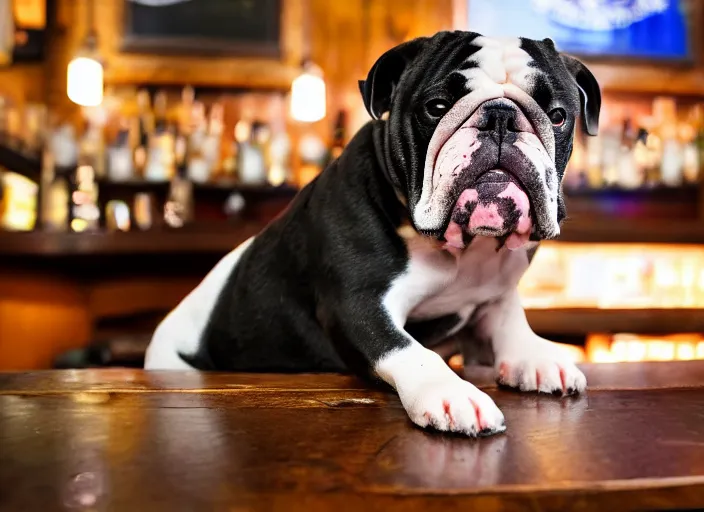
[(85, 81), (308, 98)]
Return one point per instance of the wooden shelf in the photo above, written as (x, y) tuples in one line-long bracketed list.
[(577, 321), (660, 192), (28, 164), (189, 240), (675, 231)]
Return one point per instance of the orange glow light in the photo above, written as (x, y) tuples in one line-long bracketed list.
[(619, 348)]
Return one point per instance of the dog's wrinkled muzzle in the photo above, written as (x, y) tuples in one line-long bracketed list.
[(490, 171)]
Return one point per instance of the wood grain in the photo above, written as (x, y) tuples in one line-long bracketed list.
[(130, 440)]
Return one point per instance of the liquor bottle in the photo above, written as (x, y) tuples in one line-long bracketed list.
[(279, 154), (120, 163), (611, 150), (250, 158), (641, 156), (697, 123), (261, 140), (178, 209), (672, 164), (54, 195), (160, 155), (144, 127), (183, 128), (575, 174), (84, 212), (666, 128), (229, 162), (198, 170), (313, 156), (690, 153), (213, 139), (181, 153), (185, 110), (594, 162), (64, 147), (90, 148), (628, 173)]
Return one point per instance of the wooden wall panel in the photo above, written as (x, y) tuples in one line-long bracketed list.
[(41, 316), (345, 38)]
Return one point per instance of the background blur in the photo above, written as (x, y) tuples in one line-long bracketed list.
[(141, 140)]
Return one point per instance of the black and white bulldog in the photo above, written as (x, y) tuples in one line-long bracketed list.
[(423, 226)]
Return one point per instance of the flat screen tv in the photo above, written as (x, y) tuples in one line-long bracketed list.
[(629, 29)]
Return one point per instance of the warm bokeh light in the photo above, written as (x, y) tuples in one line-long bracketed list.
[(621, 348), (308, 98), (18, 207), (85, 81), (571, 275)]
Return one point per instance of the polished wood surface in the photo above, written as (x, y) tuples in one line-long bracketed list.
[(131, 440)]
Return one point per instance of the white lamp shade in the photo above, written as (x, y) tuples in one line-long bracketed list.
[(308, 100), (85, 81)]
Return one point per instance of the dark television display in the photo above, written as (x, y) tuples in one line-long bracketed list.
[(639, 29)]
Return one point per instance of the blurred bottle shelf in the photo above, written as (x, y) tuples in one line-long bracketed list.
[(27, 163)]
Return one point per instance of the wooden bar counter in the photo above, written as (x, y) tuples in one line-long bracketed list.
[(132, 440)]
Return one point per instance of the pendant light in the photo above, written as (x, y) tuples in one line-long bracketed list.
[(308, 99), (308, 94), (84, 75)]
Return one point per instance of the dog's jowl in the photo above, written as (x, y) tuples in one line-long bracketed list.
[(427, 218)]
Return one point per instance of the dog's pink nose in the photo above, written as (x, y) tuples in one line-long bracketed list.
[(496, 206)]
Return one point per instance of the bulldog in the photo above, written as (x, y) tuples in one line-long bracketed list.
[(422, 227)]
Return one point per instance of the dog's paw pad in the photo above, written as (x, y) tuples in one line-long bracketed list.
[(552, 374), (455, 407)]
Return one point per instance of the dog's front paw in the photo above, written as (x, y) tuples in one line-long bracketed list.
[(454, 406), (540, 366)]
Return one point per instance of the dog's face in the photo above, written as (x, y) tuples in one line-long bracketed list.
[(479, 132)]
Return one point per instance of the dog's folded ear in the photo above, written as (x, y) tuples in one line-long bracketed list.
[(588, 91), (378, 88)]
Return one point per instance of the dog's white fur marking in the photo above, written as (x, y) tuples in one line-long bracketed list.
[(523, 359), (436, 284), (181, 330), (433, 395), (499, 61)]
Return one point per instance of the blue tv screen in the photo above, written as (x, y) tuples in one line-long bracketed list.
[(639, 29)]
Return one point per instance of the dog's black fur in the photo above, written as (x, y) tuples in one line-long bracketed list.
[(306, 295)]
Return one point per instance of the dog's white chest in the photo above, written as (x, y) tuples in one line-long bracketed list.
[(438, 284)]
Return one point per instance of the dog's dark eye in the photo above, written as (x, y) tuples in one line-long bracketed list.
[(557, 116), (437, 108)]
